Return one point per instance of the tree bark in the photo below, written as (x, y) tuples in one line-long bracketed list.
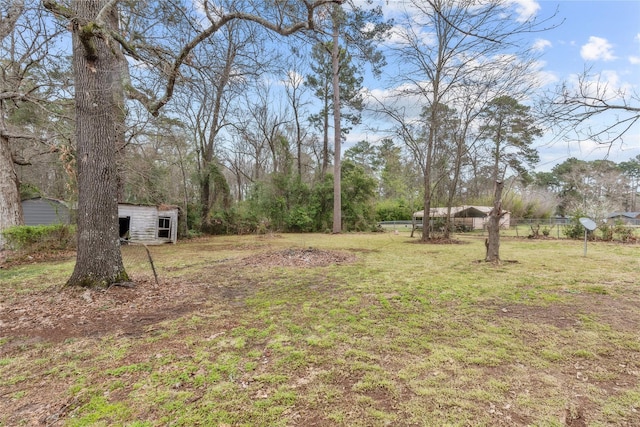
[(97, 73), (325, 139), (205, 199), (10, 204), (493, 226), (426, 218), (337, 187)]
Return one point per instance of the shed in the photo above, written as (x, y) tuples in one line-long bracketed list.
[(469, 217), (629, 218), (45, 211), (148, 224)]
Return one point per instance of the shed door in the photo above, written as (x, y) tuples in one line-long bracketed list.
[(125, 227)]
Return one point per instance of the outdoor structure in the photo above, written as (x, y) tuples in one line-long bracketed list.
[(138, 223), (628, 218), (45, 211), (148, 224), (464, 217)]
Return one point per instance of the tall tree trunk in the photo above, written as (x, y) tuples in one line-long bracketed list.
[(298, 140), (426, 218), (453, 187), (337, 187), (493, 225), (10, 204), (96, 74), (208, 143), (205, 200), (325, 140), (120, 116)]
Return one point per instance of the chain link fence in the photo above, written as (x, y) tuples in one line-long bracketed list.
[(138, 262)]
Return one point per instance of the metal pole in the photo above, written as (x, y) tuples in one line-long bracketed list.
[(585, 242)]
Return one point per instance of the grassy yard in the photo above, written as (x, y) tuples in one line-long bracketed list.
[(330, 330)]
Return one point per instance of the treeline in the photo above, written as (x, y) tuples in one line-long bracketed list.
[(243, 145)]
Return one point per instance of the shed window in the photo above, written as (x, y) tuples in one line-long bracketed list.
[(164, 227)]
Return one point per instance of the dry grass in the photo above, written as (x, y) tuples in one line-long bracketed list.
[(353, 330)]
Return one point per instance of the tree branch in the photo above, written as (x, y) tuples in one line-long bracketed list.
[(219, 23), (8, 23), (104, 11), (58, 9)]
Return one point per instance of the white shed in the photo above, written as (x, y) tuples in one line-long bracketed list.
[(472, 217), (148, 224)]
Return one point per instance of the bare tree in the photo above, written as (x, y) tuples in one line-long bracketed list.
[(592, 108), (294, 86), (243, 160), (266, 127), (221, 70), (98, 48), (26, 41), (445, 41)]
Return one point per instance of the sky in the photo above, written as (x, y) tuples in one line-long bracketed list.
[(602, 36)]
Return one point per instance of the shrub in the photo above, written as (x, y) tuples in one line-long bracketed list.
[(38, 238), (393, 210), (607, 231), (624, 232), (574, 230), (300, 219)]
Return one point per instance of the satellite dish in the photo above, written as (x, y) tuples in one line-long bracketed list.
[(588, 223)]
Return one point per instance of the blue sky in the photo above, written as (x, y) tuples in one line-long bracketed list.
[(603, 36)]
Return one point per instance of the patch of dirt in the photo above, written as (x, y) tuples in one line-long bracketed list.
[(610, 369), (560, 316), (620, 314), (439, 241), (501, 262), (309, 257), (9, 259), (58, 314)]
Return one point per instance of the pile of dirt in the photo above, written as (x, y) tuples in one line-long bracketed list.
[(309, 257)]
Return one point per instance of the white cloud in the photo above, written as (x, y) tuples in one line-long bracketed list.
[(635, 60), (606, 84), (526, 9), (541, 44), (294, 79), (597, 49), (546, 78), (406, 36), (555, 152)]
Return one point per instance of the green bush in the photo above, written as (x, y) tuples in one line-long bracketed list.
[(394, 210), (358, 198), (287, 204), (300, 219), (607, 231), (574, 230), (625, 233), (37, 238)]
